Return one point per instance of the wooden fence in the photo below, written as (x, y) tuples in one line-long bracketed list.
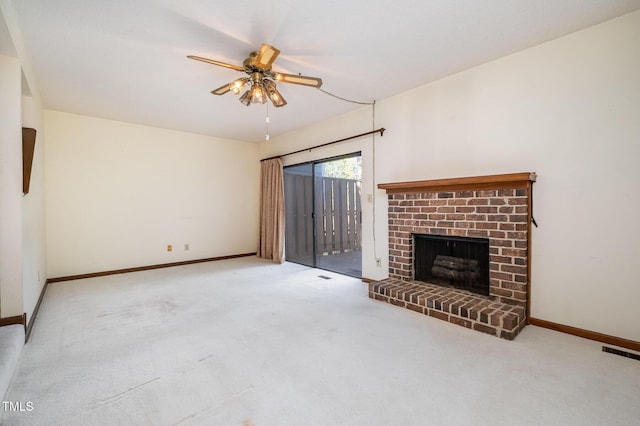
[(337, 215)]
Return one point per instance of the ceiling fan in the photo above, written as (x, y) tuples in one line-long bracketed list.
[(261, 80)]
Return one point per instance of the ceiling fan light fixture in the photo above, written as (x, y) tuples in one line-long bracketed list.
[(237, 85), (258, 95), (274, 95), (245, 99)]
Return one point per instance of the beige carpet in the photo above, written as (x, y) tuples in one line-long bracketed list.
[(245, 341), (11, 344)]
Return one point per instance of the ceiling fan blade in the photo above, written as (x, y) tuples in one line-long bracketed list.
[(235, 86), (221, 64), (298, 79), (222, 89), (266, 56)]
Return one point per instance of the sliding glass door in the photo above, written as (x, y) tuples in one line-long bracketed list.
[(298, 214), (323, 214)]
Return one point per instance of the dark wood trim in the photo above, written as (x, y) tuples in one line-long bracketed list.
[(368, 280), (28, 148), (15, 320), (529, 221), (35, 312), (380, 130), (587, 334), (145, 268), (505, 181)]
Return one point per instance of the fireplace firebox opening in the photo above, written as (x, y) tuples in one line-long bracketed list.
[(460, 262)]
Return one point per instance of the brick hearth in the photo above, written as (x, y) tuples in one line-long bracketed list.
[(456, 306), (493, 207)]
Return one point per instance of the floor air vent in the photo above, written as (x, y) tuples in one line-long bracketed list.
[(621, 353)]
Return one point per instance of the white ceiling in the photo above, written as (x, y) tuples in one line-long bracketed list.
[(126, 59)]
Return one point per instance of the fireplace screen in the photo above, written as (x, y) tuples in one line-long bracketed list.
[(459, 262)]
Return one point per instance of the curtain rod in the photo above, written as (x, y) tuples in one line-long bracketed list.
[(380, 130)]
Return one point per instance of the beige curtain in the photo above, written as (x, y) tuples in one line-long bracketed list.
[(271, 211)]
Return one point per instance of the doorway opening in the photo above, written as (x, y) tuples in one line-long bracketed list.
[(323, 214)]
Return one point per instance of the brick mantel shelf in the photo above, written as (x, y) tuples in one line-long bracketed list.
[(496, 208)]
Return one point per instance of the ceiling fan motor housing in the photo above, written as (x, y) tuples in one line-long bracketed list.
[(251, 64)]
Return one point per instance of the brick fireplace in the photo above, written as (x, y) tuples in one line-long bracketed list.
[(495, 209)]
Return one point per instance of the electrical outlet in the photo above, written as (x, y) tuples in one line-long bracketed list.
[(186, 247), (379, 263), (169, 247)]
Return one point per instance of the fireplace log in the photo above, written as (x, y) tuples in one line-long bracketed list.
[(455, 268), (452, 274), (456, 263)]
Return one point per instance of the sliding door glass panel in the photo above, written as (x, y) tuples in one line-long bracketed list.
[(337, 215), (298, 204)]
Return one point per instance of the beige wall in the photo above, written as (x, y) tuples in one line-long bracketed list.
[(11, 300), (568, 110), (22, 228), (34, 256), (117, 194)]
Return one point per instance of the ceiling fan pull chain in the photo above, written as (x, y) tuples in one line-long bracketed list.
[(266, 136)]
